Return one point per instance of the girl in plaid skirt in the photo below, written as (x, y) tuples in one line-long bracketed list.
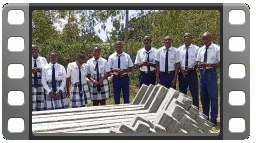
[(98, 72), (76, 73), (38, 63), (54, 82)]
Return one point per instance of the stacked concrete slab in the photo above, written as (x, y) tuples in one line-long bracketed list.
[(155, 109), (174, 114)]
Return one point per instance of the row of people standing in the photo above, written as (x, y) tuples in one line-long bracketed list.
[(166, 66), (51, 82)]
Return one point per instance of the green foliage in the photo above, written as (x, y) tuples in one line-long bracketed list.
[(175, 23)]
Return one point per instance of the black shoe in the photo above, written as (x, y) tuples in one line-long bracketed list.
[(215, 124)]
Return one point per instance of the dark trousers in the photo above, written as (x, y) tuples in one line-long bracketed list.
[(209, 93), (121, 83), (147, 78), (166, 79), (190, 81)]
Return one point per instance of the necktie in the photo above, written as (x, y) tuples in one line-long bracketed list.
[(148, 61), (54, 89), (205, 57), (205, 54), (166, 61), (98, 75), (119, 62), (35, 75), (80, 81), (186, 58)]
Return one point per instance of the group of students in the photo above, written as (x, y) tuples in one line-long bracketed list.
[(166, 65)]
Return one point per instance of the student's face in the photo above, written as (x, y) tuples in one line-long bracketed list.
[(207, 40), (168, 42), (54, 58), (147, 41), (35, 51), (187, 39), (96, 53), (119, 48), (80, 60)]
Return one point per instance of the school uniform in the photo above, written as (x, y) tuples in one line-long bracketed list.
[(37, 87), (120, 82), (208, 81), (147, 73), (97, 69), (80, 92), (54, 79), (167, 59), (188, 57)]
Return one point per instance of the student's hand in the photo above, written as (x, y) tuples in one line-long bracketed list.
[(174, 82), (147, 63), (121, 72), (116, 70), (184, 73), (202, 65), (100, 82), (94, 82), (51, 94), (34, 70), (143, 64), (57, 96), (38, 70), (68, 93), (158, 79)]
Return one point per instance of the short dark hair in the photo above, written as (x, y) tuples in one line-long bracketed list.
[(207, 33), (35, 46), (97, 47), (119, 42), (53, 52), (81, 55)]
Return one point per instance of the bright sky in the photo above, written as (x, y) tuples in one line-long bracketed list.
[(102, 34)]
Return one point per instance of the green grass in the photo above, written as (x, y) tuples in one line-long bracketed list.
[(134, 88)]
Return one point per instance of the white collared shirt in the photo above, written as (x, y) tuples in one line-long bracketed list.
[(213, 54), (142, 56), (173, 58), (40, 63), (125, 61), (192, 55), (103, 67), (73, 72), (60, 75)]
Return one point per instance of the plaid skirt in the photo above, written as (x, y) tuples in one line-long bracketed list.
[(104, 91), (38, 95), (80, 100), (60, 103)]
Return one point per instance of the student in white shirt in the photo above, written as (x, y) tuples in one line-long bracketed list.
[(209, 60), (54, 82), (98, 72), (188, 75), (145, 61), (168, 63), (76, 74), (38, 63), (120, 64)]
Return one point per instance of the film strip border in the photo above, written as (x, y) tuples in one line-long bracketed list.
[(8, 112), (230, 84)]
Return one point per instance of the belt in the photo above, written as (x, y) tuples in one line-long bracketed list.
[(211, 69), (146, 72), (169, 72)]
